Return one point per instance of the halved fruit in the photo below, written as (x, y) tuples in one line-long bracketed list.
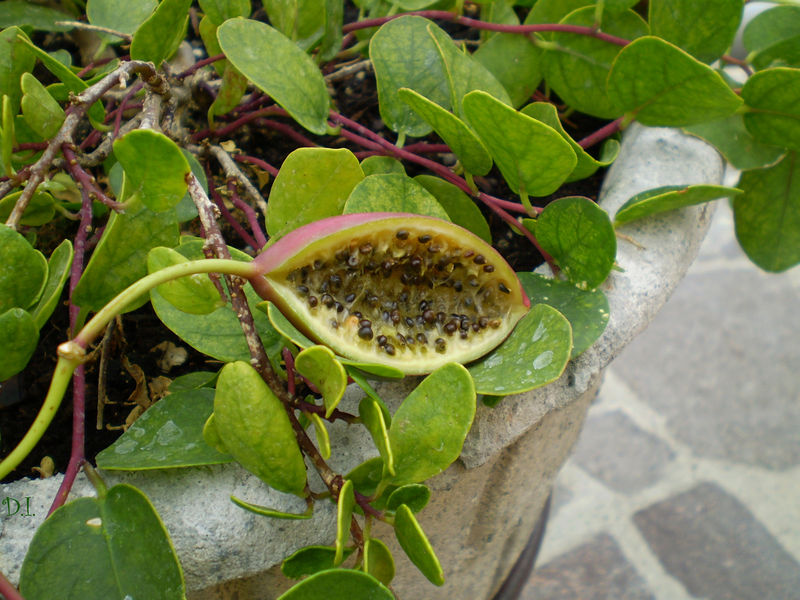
[(404, 290)]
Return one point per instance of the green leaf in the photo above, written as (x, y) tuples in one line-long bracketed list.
[(464, 74), (7, 136), (515, 62), (211, 436), (377, 165), (579, 235), (730, 137), (767, 215), (193, 381), (37, 17), (661, 85), (367, 476), (254, 426), (159, 36), (773, 37), (667, 198), (195, 294), (331, 41), (120, 257), (369, 410), (111, 547), (217, 334), (404, 55), (393, 192), (42, 113), (323, 439), (318, 364), (464, 143), (40, 209), (168, 435), (313, 183), (18, 338), (416, 545), (120, 15), (58, 267), (15, 59), (586, 310), (773, 102), (553, 11), (361, 381), (413, 495), (155, 166), (24, 271), (233, 87), (378, 561), (265, 511), (534, 159), (429, 427), (302, 21), (703, 29), (338, 584), (219, 11), (587, 165), (535, 354), (310, 560), (265, 56), (577, 67), (461, 209), (344, 513), (208, 33)]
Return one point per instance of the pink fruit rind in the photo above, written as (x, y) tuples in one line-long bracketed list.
[(294, 241)]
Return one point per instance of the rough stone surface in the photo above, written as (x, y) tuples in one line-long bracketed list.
[(714, 545), (738, 407), (596, 570), (631, 459)]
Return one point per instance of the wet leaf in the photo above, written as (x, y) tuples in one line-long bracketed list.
[(773, 102), (416, 545), (578, 234), (668, 198), (58, 268), (535, 354), (378, 561), (112, 547), (24, 271), (393, 192), (703, 29), (168, 435), (155, 167), (40, 209), (254, 426), (265, 56), (42, 113), (338, 584), (310, 560), (18, 338), (195, 294), (429, 427), (404, 55), (313, 183), (660, 85), (461, 209), (586, 310), (413, 495), (344, 513), (369, 410), (159, 36), (767, 214), (533, 157)]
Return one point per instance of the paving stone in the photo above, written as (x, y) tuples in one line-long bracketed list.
[(720, 363), (709, 541), (596, 570), (617, 452)]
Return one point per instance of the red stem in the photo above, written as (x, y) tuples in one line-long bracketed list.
[(86, 181), (288, 132), (199, 65), (237, 227), (244, 119), (250, 215), (601, 134), (7, 590), (261, 164)]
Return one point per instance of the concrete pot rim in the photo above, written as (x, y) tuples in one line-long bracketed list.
[(218, 541)]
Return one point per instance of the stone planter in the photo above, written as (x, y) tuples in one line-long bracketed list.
[(485, 506)]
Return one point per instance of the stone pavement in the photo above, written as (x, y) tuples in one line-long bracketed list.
[(685, 482)]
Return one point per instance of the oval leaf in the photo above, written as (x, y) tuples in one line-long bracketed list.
[(42, 113), (429, 428), (318, 364), (18, 338), (313, 183), (265, 511), (169, 434), (668, 198), (416, 545), (265, 56), (254, 426), (195, 294), (309, 560), (378, 561), (369, 410), (39, 211), (113, 547), (739, 147), (119, 15), (344, 514), (58, 268), (534, 159), (461, 209), (773, 102), (24, 271), (323, 439), (393, 192), (578, 234), (535, 354), (773, 37), (160, 35), (339, 584), (661, 85), (413, 495)]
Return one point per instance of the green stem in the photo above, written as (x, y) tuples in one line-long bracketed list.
[(73, 352)]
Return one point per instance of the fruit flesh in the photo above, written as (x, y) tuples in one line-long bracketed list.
[(409, 291)]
